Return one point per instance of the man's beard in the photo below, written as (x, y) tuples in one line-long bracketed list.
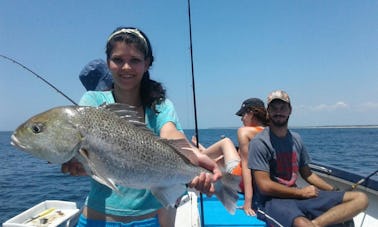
[(280, 122)]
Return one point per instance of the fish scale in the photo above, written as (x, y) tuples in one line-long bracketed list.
[(133, 150)]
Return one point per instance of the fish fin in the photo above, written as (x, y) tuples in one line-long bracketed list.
[(184, 149), (106, 181), (226, 190), (94, 174), (126, 112), (169, 195)]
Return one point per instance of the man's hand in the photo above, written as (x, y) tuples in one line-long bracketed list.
[(309, 192)]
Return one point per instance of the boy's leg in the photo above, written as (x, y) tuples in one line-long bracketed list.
[(279, 212), (352, 204)]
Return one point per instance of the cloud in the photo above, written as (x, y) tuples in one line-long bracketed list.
[(363, 107), (367, 106), (339, 113), (325, 107)]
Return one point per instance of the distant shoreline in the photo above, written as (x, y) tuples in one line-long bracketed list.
[(338, 126), (295, 127), (322, 126)]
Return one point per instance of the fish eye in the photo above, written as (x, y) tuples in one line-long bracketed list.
[(37, 128)]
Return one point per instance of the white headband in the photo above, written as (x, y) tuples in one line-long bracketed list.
[(133, 31)]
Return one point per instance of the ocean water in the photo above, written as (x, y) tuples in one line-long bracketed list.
[(26, 181)]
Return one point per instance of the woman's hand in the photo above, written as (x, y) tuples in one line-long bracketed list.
[(248, 210), (74, 168), (204, 182)]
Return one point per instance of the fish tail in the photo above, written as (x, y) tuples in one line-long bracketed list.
[(226, 190)]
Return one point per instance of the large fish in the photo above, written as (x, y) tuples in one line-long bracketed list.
[(117, 149)]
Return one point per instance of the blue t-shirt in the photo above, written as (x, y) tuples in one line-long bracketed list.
[(281, 157), (130, 202)]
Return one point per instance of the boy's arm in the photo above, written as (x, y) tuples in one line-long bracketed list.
[(274, 189), (314, 179)]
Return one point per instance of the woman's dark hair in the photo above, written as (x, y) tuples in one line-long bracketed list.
[(151, 92), (260, 113)]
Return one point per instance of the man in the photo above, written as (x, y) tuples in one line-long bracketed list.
[(276, 157)]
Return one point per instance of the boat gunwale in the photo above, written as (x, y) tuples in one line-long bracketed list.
[(369, 184)]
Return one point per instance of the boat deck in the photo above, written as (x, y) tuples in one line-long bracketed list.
[(216, 215)]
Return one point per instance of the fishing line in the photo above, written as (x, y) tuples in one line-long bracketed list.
[(39, 77), (194, 102)]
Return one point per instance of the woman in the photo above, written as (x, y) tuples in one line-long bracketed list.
[(254, 117), (129, 56)]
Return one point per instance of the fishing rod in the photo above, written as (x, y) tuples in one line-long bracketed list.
[(39, 77), (354, 186), (192, 70), (194, 102)]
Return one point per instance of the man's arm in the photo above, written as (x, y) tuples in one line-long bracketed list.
[(274, 189), (314, 179)]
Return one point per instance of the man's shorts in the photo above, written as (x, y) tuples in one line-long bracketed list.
[(282, 212)]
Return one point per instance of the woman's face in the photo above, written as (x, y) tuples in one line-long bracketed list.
[(127, 65), (247, 118)]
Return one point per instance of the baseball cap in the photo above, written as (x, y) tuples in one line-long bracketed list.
[(95, 76), (248, 103), (278, 94)]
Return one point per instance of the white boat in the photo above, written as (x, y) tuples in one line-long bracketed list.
[(215, 215), (346, 180), (47, 213), (191, 212)]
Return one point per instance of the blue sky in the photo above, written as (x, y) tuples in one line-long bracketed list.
[(323, 53)]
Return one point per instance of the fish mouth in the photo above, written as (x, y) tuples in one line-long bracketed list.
[(15, 142)]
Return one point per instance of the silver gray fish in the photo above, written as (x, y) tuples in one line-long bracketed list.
[(117, 149)]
